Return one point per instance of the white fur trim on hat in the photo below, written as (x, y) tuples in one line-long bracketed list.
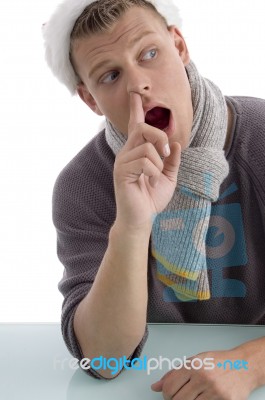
[(57, 31)]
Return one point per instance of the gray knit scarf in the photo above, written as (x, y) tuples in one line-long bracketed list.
[(178, 239)]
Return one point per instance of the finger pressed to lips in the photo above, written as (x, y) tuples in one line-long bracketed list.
[(136, 111)]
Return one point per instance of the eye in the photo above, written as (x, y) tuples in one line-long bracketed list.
[(110, 77), (150, 54)]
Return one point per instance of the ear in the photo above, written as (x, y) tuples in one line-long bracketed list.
[(180, 44), (87, 98)]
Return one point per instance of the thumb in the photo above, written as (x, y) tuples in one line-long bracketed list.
[(172, 163), (158, 386)]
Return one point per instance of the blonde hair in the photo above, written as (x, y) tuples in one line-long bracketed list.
[(100, 15)]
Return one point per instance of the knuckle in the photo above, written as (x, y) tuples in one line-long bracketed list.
[(167, 390), (215, 386), (151, 153), (161, 136), (145, 162), (148, 148)]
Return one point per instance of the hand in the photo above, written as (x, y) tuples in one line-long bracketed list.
[(144, 184), (214, 384)]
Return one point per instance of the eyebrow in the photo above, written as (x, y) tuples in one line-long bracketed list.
[(130, 44)]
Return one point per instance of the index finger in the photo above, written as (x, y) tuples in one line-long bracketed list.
[(136, 110)]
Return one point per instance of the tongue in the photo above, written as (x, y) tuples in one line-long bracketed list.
[(158, 117)]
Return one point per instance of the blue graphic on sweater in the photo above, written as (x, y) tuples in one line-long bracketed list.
[(171, 237), (225, 247)]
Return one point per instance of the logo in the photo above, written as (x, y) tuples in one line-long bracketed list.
[(148, 364)]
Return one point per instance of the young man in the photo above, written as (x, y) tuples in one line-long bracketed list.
[(160, 217)]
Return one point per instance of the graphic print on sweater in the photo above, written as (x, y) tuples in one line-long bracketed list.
[(225, 246)]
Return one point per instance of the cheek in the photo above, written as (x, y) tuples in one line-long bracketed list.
[(114, 106), (102, 102)]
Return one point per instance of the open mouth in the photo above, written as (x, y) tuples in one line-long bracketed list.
[(158, 117)]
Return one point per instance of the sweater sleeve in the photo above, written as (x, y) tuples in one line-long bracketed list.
[(83, 213)]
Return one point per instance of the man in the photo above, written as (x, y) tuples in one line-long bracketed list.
[(160, 217)]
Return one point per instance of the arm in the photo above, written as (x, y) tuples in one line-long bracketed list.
[(110, 321)]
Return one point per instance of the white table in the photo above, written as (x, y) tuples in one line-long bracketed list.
[(34, 362)]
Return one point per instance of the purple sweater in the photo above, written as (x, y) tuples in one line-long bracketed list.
[(84, 211)]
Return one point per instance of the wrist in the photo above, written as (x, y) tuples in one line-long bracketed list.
[(137, 231), (253, 352), (131, 245)]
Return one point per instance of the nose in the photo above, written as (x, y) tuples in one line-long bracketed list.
[(138, 81)]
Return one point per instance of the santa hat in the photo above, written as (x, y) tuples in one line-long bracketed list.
[(57, 31)]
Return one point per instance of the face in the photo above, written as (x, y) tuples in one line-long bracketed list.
[(138, 54)]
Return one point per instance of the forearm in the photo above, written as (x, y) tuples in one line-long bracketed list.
[(111, 319)]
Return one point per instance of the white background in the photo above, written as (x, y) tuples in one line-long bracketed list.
[(42, 127)]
